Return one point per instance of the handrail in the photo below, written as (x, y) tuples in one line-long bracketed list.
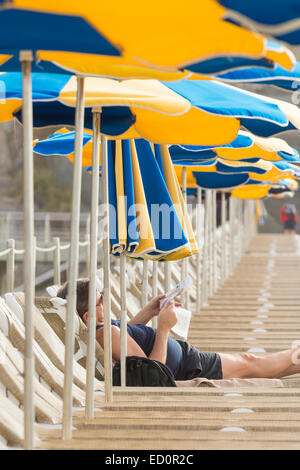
[(10, 252)]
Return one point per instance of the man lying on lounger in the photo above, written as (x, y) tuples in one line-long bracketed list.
[(184, 360)]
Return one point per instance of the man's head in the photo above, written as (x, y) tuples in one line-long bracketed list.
[(82, 301)]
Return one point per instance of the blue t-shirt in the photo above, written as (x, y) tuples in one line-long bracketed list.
[(144, 336)]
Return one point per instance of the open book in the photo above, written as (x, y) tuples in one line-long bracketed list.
[(181, 328)]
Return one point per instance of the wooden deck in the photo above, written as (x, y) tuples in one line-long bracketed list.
[(258, 309)]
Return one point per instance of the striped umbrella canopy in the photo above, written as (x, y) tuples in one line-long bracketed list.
[(245, 146), (226, 174), (273, 17), (184, 112), (255, 190), (92, 38), (278, 76), (148, 218)]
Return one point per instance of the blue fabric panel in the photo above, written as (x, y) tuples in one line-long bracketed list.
[(168, 236), (266, 11), (228, 101), (278, 76), (59, 144), (115, 120), (29, 30), (219, 181), (220, 64), (223, 168), (113, 213), (44, 86), (132, 232), (264, 129)]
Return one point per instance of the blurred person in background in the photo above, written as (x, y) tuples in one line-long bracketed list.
[(289, 218)]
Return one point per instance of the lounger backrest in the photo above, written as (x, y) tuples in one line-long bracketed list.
[(11, 422), (46, 338), (54, 312), (48, 407), (43, 366)]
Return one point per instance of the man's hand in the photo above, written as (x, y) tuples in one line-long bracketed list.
[(167, 317), (153, 307)]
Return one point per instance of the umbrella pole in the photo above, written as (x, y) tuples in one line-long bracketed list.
[(123, 324), (200, 254), (211, 284), (232, 234), (145, 283), (184, 273), (73, 265), (107, 288), (223, 244), (90, 364), (26, 59), (215, 263), (154, 288), (204, 283), (167, 273)]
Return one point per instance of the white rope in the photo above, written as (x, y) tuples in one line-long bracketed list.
[(5, 252)]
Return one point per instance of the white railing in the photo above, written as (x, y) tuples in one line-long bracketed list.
[(9, 254)]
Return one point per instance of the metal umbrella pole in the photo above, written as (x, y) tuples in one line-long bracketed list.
[(123, 323), (184, 265), (26, 59), (200, 253), (205, 273), (211, 255), (224, 238), (90, 364), (145, 283), (214, 224), (106, 266), (167, 272), (232, 206), (154, 287), (73, 263)]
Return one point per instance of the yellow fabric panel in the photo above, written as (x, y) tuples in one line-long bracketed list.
[(285, 57), (271, 175), (191, 236), (250, 152), (7, 108), (121, 206), (202, 29), (258, 209), (193, 128), (146, 238), (109, 66), (183, 32), (190, 178), (4, 58), (177, 199), (150, 94), (251, 192)]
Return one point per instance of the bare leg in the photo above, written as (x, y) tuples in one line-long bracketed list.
[(244, 365)]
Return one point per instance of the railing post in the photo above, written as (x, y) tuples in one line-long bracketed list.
[(10, 266), (56, 262), (145, 283), (154, 288), (47, 229)]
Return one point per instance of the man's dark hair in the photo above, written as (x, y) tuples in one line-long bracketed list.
[(82, 301)]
